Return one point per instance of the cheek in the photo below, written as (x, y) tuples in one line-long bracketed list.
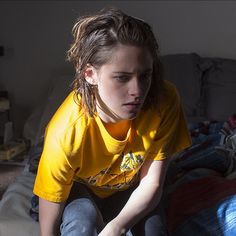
[(106, 93), (111, 90), (116, 94)]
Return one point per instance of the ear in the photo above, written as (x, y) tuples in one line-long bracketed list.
[(90, 75)]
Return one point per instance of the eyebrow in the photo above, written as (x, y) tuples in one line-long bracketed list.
[(130, 73)]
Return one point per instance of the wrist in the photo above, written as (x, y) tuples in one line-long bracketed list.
[(118, 226)]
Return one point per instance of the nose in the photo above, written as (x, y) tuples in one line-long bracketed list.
[(135, 87)]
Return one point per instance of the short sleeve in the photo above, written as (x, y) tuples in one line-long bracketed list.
[(172, 134), (55, 176)]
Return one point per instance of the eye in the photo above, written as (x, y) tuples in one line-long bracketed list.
[(122, 78)]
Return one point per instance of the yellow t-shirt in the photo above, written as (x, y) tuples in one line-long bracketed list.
[(79, 148)]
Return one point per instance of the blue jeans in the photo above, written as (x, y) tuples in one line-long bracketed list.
[(85, 214)]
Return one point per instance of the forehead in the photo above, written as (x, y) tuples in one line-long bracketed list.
[(129, 58)]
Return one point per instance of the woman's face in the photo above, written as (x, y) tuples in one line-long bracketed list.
[(122, 83)]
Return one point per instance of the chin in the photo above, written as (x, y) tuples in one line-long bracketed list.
[(131, 116)]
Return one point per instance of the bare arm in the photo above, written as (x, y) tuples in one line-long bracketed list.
[(144, 198), (49, 217)]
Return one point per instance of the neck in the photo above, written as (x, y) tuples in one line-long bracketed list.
[(119, 129)]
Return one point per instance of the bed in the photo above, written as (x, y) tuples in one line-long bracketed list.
[(200, 189)]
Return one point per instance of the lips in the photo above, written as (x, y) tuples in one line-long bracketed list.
[(133, 103), (132, 106)]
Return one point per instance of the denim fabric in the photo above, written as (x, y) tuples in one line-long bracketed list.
[(85, 214), (79, 218)]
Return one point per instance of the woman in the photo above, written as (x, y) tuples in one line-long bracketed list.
[(108, 146)]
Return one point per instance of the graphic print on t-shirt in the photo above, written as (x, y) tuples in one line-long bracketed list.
[(119, 175)]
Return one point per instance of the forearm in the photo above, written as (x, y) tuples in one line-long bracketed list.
[(142, 200), (49, 217)]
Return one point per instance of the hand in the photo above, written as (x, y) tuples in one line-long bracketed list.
[(112, 229)]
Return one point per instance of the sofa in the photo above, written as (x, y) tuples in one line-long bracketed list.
[(207, 87)]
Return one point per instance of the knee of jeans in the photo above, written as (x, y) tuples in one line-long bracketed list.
[(155, 226), (81, 209)]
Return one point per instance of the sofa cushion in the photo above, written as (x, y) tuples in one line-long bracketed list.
[(220, 89), (35, 125), (183, 70)]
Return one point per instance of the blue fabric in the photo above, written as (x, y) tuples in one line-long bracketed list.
[(204, 152), (80, 217), (216, 221)]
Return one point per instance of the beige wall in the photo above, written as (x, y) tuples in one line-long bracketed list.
[(36, 35)]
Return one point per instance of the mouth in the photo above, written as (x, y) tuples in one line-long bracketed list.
[(132, 106), (135, 103)]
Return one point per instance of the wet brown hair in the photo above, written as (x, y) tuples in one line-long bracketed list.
[(94, 39)]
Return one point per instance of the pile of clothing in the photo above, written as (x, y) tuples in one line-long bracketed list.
[(200, 196)]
